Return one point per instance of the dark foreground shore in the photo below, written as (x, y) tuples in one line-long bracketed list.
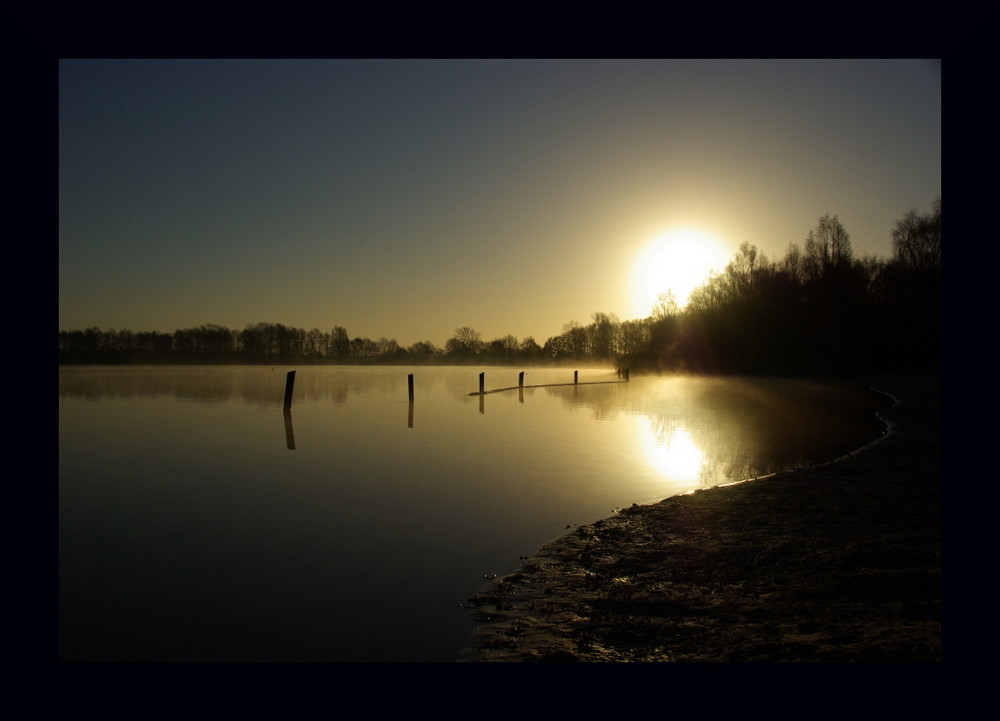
[(838, 562)]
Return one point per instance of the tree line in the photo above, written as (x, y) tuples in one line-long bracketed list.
[(818, 309)]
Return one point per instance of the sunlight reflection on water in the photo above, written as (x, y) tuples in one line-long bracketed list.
[(672, 452)]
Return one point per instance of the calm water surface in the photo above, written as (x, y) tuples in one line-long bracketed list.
[(199, 522)]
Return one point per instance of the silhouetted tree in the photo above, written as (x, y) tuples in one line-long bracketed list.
[(315, 344), (503, 349), (340, 344), (363, 350), (577, 341), (793, 265), (911, 288), (388, 350), (252, 341), (603, 332), (208, 343), (154, 347), (744, 271), (666, 306), (916, 239), (464, 346), (828, 248), (634, 339), (529, 350), (424, 352)]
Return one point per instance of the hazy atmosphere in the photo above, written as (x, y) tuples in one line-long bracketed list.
[(407, 198), (700, 301)]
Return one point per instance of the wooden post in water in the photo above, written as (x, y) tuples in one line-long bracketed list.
[(520, 379), (409, 414), (289, 383), (575, 376), (482, 382)]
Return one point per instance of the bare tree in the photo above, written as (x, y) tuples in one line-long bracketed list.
[(424, 351), (340, 344), (827, 247), (916, 239), (743, 272), (466, 343)]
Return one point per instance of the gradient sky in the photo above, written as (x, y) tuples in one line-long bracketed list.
[(407, 198)]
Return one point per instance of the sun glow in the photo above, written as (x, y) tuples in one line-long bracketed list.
[(672, 453), (677, 261)]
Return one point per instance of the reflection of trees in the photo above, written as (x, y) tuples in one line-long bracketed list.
[(257, 385), (199, 384), (763, 426), (604, 401), (745, 427)]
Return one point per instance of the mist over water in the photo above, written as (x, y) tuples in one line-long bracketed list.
[(200, 522)]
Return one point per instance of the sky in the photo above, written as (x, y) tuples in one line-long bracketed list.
[(407, 198)]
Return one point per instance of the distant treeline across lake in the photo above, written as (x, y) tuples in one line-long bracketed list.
[(820, 309)]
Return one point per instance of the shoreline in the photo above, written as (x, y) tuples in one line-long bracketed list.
[(833, 562)]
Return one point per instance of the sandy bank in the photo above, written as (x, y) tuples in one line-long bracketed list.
[(838, 562)]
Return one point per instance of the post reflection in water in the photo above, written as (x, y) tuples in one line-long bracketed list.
[(289, 433), (409, 416)]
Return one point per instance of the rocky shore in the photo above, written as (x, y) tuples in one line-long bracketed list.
[(838, 562)]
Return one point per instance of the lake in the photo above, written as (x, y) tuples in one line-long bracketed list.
[(200, 522)]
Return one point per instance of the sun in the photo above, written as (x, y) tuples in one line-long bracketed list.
[(678, 261)]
